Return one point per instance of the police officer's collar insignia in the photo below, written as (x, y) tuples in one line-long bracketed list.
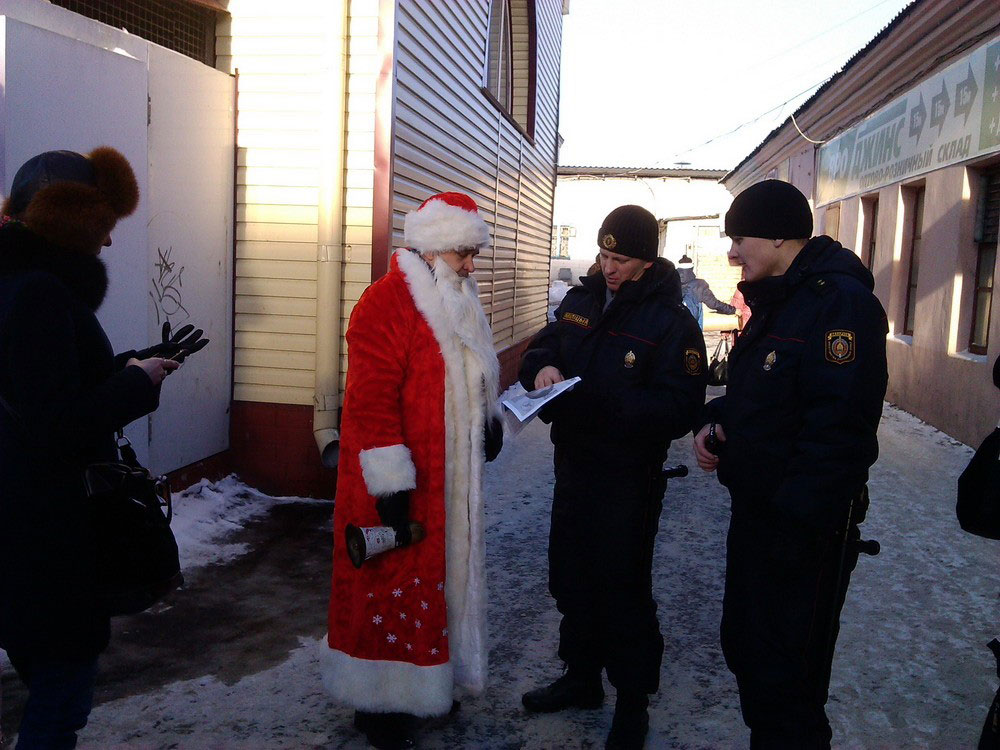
[(608, 242), (692, 362), (769, 360), (630, 359), (579, 320), (840, 347)]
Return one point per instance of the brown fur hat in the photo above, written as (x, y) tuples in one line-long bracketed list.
[(71, 200)]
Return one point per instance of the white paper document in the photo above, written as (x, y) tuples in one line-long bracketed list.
[(525, 405)]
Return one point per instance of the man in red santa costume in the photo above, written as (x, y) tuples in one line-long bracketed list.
[(408, 628)]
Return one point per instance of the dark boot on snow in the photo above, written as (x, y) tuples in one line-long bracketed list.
[(631, 722), (388, 731), (569, 691)]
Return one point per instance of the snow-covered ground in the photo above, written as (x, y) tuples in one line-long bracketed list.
[(911, 669)]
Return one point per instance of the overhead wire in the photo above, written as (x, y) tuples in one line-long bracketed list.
[(816, 36), (755, 119), (796, 96)]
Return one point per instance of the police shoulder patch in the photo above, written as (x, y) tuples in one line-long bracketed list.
[(579, 320), (692, 362), (840, 346)]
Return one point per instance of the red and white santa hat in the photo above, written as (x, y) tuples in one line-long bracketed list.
[(446, 221)]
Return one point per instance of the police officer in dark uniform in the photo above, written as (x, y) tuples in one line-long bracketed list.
[(793, 439), (641, 358)]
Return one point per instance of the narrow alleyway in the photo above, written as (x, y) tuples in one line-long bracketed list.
[(232, 661)]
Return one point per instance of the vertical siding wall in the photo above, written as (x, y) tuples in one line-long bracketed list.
[(448, 136), (278, 50)]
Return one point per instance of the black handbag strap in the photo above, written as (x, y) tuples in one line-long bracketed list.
[(718, 350)]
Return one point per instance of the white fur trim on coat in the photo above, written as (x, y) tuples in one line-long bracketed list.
[(439, 226), (469, 360), (380, 685), (388, 469)]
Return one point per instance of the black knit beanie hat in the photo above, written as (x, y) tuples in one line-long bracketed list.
[(773, 210), (631, 231)]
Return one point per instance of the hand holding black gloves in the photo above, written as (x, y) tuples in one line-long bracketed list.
[(394, 511), (492, 438), (184, 341)]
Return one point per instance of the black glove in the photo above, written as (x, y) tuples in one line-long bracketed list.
[(394, 511), (492, 438), (186, 340)]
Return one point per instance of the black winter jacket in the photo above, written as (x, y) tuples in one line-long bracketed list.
[(806, 381), (59, 377), (642, 364)]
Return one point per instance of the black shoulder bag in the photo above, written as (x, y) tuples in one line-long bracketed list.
[(137, 560), (978, 506), (718, 368)]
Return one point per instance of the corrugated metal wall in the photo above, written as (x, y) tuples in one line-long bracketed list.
[(449, 136), (278, 50)]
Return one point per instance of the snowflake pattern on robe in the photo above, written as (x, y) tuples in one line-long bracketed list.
[(418, 629)]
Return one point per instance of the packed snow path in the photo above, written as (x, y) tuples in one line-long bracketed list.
[(231, 662)]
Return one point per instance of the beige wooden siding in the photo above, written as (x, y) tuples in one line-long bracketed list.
[(278, 50), (448, 136)]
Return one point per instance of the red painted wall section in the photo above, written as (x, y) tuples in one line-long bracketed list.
[(272, 448), (510, 362)]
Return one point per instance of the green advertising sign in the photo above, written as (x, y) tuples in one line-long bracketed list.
[(948, 118)]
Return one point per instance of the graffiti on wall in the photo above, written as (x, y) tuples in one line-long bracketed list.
[(167, 290)]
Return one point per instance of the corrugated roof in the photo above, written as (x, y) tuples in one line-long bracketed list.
[(713, 174), (833, 79)]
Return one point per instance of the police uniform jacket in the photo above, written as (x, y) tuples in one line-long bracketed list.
[(806, 381), (642, 364)]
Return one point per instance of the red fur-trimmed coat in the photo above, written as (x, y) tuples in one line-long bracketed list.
[(409, 627)]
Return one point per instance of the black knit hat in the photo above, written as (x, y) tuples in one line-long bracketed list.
[(773, 210), (631, 231)]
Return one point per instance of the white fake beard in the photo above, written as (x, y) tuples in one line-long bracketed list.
[(461, 302)]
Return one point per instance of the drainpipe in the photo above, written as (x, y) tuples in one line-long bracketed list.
[(330, 244)]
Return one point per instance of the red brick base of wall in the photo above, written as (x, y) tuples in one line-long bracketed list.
[(272, 448), (510, 360), (212, 468)]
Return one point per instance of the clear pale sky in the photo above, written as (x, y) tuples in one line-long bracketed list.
[(646, 82)]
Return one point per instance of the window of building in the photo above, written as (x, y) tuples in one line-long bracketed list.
[(869, 208), (510, 61), (185, 26), (916, 217), (499, 80), (986, 237)]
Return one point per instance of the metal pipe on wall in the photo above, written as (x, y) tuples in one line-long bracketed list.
[(330, 230)]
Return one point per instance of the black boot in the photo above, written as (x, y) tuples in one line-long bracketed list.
[(570, 690), (631, 722), (388, 731)]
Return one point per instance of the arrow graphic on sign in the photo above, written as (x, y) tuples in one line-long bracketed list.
[(965, 95), (918, 117), (940, 104)]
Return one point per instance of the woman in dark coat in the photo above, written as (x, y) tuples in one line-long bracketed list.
[(63, 395)]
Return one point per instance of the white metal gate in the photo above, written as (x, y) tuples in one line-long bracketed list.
[(69, 82)]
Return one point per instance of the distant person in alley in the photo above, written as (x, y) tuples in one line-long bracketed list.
[(641, 358), (63, 395), (696, 292), (407, 630), (793, 439)]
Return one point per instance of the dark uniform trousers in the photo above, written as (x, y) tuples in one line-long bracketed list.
[(780, 617), (604, 523)]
